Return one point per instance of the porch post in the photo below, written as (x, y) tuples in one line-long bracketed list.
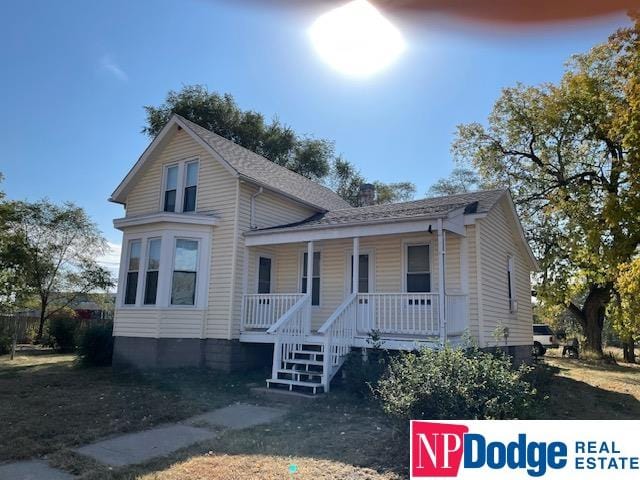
[(356, 264), (441, 280), (309, 267)]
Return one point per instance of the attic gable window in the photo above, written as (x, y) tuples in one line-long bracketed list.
[(171, 188), (190, 187), (181, 186)]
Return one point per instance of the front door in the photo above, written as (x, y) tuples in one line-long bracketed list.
[(364, 282)]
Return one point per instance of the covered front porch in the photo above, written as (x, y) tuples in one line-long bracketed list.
[(409, 288)]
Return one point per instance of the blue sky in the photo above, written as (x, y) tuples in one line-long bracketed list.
[(77, 73)]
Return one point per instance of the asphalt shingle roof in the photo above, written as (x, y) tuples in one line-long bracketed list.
[(264, 172), (473, 202)]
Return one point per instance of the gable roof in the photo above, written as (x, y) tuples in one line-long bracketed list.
[(436, 207), (244, 163)]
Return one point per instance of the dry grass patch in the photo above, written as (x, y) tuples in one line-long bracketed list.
[(48, 402), (264, 467), (582, 389)]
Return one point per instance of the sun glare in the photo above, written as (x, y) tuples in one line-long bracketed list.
[(356, 39)]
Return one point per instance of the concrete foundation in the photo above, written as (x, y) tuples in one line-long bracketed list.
[(218, 354), (519, 353)]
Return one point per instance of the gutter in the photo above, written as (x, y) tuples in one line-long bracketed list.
[(252, 215)]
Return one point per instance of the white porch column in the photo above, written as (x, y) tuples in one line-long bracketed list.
[(309, 268), (441, 281), (356, 264)]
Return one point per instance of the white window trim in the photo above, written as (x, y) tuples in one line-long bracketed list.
[(348, 273), (180, 183), (301, 271), (165, 274), (513, 292), (126, 271), (173, 268), (405, 257), (273, 271), (146, 270), (184, 183)]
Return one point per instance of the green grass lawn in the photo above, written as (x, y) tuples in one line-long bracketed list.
[(48, 404)]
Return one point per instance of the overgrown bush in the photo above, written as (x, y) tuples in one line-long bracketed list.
[(454, 384), (5, 344), (64, 332), (363, 368), (96, 345)]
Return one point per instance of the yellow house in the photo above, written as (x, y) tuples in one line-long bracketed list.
[(230, 260)]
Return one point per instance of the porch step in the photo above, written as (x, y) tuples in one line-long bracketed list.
[(295, 385), (300, 375), (308, 354)]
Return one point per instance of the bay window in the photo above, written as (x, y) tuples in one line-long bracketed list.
[(153, 270), (183, 284), (133, 267)]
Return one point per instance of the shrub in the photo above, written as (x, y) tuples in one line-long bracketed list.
[(363, 369), (454, 384), (64, 332), (5, 344), (96, 345)]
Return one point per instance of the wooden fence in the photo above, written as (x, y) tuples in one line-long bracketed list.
[(27, 325)]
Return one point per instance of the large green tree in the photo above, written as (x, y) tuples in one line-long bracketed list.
[(313, 158), (566, 152), (62, 245), (13, 254)]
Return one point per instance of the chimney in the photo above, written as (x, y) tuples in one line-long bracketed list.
[(367, 195)]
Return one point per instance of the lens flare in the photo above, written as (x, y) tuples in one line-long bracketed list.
[(356, 39)]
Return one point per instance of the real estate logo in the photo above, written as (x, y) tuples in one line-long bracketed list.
[(436, 449), (524, 449)]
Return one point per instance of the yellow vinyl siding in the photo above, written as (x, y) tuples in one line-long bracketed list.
[(270, 209), (387, 257), (498, 242), (217, 190)]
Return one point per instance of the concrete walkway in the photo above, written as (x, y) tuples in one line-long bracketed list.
[(32, 470), (134, 448)]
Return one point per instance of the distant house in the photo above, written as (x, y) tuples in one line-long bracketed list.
[(227, 255)]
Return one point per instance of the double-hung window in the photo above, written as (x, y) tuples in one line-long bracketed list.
[(315, 281), (153, 270), (171, 188), (190, 187), (133, 267), (181, 187), (418, 269), (185, 266)]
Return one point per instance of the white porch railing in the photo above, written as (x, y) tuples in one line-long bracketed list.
[(290, 331), (263, 310), (339, 332), (399, 313), (457, 314)]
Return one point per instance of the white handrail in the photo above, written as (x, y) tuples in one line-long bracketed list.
[(326, 325), (262, 310), (290, 331), (284, 319), (339, 332)]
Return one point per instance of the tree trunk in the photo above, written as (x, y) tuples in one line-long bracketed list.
[(43, 310), (593, 322), (628, 351), (591, 317)]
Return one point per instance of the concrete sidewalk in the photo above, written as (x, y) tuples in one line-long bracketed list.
[(140, 447)]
